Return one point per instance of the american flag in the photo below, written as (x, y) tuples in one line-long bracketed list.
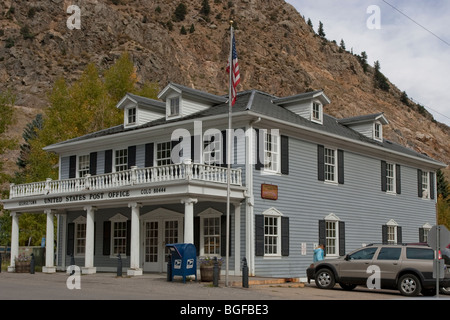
[(235, 76)]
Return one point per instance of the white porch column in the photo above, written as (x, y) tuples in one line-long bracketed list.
[(14, 241), (135, 269), (189, 219), (237, 238), (89, 250), (49, 243)]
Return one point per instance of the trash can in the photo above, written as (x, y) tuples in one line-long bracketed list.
[(183, 260)]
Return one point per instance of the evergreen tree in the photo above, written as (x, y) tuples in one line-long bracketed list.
[(206, 9), (320, 31), (380, 80), (180, 12), (363, 61), (310, 24)]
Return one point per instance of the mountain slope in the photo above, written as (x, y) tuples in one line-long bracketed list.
[(278, 53)]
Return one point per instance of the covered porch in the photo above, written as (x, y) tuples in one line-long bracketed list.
[(158, 204)]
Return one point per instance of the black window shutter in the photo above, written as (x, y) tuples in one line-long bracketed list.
[(419, 183), (384, 232), (431, 185), (174, 143), (259, 235), (398, 179), (322, 233), (341, 238), (399, 235), (421, 235), (284, 155), (320, 162), (108, 161), (106, 238), (72, 167), (340, 166), (93, 163), (383, 176), (285, 236), (196, 148), (197, 234), (70, 239), (131, 156), (149, 155), (224, 149), (259, 149), (128, 244), (223, 236)]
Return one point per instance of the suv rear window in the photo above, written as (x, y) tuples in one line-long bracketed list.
[(419, 253)]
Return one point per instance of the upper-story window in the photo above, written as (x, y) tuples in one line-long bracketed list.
[(271, 152), (163, 152), (378, 135), (131, 115), (316, 112), (425, 185), (121, 160), (83, 165), (330, 165), (174, 106), (212, 149), (390, 177)]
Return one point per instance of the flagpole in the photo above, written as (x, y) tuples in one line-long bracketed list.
[(229, 154)]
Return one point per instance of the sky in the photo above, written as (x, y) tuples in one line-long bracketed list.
[(410, 39)]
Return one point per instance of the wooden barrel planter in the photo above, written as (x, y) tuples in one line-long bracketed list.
[(206, 273), (22, 266)]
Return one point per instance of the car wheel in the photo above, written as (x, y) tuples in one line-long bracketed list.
[(409, 285), (445, 290), (325, 279), (347, 287)]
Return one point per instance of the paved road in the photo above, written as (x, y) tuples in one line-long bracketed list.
[(176, 298), (107, 286)]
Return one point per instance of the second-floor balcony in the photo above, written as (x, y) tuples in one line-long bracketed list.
[(132, 177)]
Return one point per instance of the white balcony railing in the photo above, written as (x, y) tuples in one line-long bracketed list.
[(134, 176)]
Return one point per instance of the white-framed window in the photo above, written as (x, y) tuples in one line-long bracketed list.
[(210, 232), (425, 185), (331, 235), (131, 115), (377, 131), (426, 230), (272, 152), (272, 233), (80, 236), (330, 165), (163, 153), (174, 106), (121, 160), (317, 112), (212, 148), (392, 232), (118, 235), (390, 177), (83, 165)]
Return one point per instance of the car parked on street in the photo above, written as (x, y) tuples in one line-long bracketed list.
[(408, 268)]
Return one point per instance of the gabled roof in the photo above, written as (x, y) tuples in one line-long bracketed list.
[(261, 103), (365, 118), (201, 95), (141, 102), (318, 94)]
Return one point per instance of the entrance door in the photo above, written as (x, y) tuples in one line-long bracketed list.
[(158, 233)]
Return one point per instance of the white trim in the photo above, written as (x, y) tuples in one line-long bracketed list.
[(209, 213), (320, 118), (276, 214)]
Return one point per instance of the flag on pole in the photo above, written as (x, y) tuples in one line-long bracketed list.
[(235, 76)]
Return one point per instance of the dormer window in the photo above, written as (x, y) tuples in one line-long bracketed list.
[(316, 112), (174, 106), (131, 116), (377, 131)]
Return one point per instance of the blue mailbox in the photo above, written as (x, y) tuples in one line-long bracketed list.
[(183, 260)]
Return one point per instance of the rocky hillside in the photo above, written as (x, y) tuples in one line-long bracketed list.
[(278, 53)]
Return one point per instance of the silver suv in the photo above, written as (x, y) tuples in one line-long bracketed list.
[(408, 268)]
